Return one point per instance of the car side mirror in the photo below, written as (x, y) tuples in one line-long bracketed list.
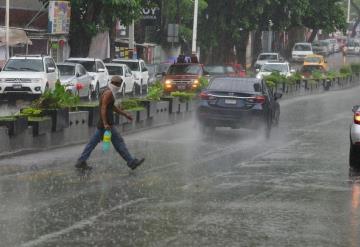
[(257, 70), (206, 73), (101, 70), (355, 108), (277, 96), (51, 70)]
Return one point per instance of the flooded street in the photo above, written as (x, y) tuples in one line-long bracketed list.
[(232, 188)]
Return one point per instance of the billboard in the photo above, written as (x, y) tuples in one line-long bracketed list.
[(59, 17)]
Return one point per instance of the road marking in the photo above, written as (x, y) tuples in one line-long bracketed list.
[(79, 225)]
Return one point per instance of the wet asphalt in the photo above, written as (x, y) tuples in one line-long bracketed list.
[(231, 188)]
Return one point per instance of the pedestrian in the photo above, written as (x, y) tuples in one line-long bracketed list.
[(107, 109)]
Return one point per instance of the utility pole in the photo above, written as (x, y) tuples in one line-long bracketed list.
[(7, 31), (196, 7), (132, 39), (348, 11)]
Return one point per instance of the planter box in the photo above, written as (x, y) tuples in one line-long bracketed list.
[(182, 107), (150, 106), (60, 118), (16, 125), (94, 114), (141, 116), (129, 126), (40, 126), (79, 119), (173, 104)]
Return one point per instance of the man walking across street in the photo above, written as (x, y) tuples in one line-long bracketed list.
[(107, 107)]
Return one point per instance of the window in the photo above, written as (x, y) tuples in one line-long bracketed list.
[(82, 70), (268, 57), (99, 65), (89, 65), (24, 65), (66, 70), (236, 85), (134, 66), (275, 68), (184, 69), (115, 70), (302, 47)]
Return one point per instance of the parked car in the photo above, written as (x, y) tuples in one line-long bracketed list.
[(237, 103), (97, 70), (307, 70), (300, 51), (28, 75), (335, 45), (75, 78), (268, 68), (183, 77), (322, 47), (316, 60), (352, 47), (264, 58), (153, 72), (122, 70), (139, 70), (354, 154), (216, 70)]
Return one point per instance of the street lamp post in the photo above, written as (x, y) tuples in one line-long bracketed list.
[(196, 7), (7, 31)]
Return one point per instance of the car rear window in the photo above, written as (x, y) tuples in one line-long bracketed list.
[(184, 69), (312, 59), (66, 70), (235, 85), (268, 57), (115, 70)]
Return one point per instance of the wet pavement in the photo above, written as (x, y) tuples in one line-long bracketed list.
[(232, 188)]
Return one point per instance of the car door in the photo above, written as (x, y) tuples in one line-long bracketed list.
[(129, 78), (144, 73), (84, 79), (103, 74), (51, 72)]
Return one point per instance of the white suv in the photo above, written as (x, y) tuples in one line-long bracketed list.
[(97, 70), (30, 74), (139, 70)]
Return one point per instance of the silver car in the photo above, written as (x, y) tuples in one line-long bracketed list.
[(75, 78), (354, 155)]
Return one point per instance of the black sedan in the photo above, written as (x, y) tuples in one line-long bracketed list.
[(238, 103)]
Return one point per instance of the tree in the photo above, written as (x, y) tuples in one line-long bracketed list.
[(89, 17)]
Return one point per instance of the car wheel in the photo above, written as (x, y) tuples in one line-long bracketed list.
[(89, 93), (123, 90), (96, 92), (137, 89), (354, 156)]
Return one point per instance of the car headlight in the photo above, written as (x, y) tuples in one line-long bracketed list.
[(168, 82), (2, 80), (36, 80)]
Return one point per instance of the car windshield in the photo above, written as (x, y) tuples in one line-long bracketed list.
[(134, 66), (312, 60), (302, 47), (274, 68), (353, 43), (35, 65), (267, 57), (235, 85), (115, 70), (184, 69), (66, 70), (163, 67), (89, 65), (311, 68), (152, 68), (218, 70)]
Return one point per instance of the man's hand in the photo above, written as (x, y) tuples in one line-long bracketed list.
[(128, 116), (107, 126)]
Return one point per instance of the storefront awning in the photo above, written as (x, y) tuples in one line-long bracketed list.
[(16, 37)]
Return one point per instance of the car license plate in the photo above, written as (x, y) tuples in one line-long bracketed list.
[(17, 86), (230, 101), (181, 87)]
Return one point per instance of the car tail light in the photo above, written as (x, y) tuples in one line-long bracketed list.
[(260, 99), (357, 117), (206, 96)]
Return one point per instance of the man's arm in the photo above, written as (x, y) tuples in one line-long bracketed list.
[(119, 111), (107, 98)]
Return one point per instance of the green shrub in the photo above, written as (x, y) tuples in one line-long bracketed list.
[(345, 71), (355, 68), (58, 98), (332, 74), (270, 84), (276, 78), (294, 78), (156, 91), (204, 83), (317, 75), (31, 112), (131, 104), (183, 96)]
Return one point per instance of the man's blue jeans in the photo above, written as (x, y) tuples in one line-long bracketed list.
[(117, 141)]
